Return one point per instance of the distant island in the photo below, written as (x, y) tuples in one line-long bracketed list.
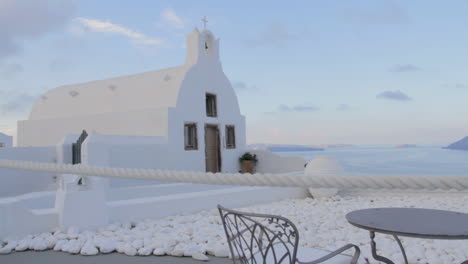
[(406, 146), (334, 146), (287, 148), (460, 145)]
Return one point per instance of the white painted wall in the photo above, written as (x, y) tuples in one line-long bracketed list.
[(16, 182), (6, 141), (146, 122), (207, 77), (269, 162), (136, 192), (64, 149), (20, 216), (128, 152), (159, 207), (17, 221), (146, 153)]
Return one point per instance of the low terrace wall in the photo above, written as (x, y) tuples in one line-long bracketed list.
[(41, 212), (17, 182)]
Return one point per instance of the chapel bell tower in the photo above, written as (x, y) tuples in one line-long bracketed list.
[(202, 46)]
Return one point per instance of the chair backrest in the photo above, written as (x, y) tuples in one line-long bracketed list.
[(259, 238)]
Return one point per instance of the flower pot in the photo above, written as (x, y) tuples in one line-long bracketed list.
[(248, 166)]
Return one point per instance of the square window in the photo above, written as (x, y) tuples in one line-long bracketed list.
[(2, 145), (211, 109), (190, 136), (230, 137)]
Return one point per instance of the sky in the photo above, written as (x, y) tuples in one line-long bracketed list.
[(305, 72)]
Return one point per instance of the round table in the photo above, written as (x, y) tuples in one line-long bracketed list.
[(410, 222)]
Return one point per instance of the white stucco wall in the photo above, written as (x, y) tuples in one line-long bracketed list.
[(146, 153), (128, 152), (146, 122), (202, 78), (269, 162), (16, 182), (159, 207)]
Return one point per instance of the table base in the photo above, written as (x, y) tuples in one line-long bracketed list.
[(384, 259)]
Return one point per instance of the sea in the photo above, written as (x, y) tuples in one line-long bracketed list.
[(390, 160)]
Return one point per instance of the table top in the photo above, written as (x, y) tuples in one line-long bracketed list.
[(412, 222)]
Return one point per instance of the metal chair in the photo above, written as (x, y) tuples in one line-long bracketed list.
[(267, 239)]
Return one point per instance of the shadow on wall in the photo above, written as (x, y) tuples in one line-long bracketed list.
[(17, 182), (6, 141)]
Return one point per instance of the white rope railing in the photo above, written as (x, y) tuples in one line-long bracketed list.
[(317, 180)]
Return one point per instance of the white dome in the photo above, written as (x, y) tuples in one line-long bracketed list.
[(324, 165)]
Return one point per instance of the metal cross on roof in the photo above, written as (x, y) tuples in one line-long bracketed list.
[(204, 20)]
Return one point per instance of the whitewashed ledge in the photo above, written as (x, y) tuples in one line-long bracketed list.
[(321, 224)]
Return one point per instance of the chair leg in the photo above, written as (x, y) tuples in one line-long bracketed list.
[(354, 259)]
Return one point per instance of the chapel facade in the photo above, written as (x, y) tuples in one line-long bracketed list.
[(191, 109)]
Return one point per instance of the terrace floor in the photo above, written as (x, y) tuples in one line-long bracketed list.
[(52, 257)]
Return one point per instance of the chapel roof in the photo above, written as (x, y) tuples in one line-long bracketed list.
[(153, 89)]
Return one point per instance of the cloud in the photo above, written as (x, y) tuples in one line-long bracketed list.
[(100, 26), (8, 71), (17, 103), (375, 12), (239, 85), (274, 34), (405, 68), (169, 17), (242, 86), (394, 95), (297, 108), (455, 85), (25, 19), (343, 107)]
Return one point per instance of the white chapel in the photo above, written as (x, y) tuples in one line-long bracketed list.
[(190, 110)]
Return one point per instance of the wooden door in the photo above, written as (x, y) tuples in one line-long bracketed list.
[(212, 149)]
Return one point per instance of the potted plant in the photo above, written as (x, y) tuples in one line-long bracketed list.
[(248, 162)]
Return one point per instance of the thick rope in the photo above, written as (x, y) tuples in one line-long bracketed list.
[(317, 180)]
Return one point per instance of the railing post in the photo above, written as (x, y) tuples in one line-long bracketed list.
[(81, 201)]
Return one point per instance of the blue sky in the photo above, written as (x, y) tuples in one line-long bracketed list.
[(306, 72)]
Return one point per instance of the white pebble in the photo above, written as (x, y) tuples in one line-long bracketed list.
[(59, 245), (89, 250), (107, 246), (179, 252), (39, 244), (23, 245), (200, 256), (73, 232), (8, 248), (159, 252), (221, 252), (145, 251), (137, 244), (74, 247), (130, 251)]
